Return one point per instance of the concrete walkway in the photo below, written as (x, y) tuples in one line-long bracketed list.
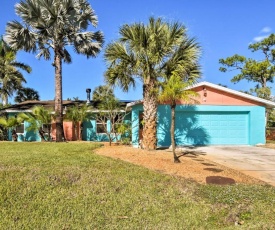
[(258, 162)]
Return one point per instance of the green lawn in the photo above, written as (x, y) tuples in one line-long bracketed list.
[(66, 186)]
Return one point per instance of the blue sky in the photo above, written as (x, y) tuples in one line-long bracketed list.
[(223, 28)]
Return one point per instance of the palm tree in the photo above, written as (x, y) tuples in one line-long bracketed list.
[(10, 123), (10, 77), (180, 72), (55, 24), (140, 54), (175, 90), (36, 119), (26, 94), (78, 114)]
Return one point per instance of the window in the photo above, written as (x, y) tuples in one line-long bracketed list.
[(100, 128), (118, 121), (101, 125), (20, 128)]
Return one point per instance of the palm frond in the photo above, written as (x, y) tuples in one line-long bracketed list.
[(20, 37)]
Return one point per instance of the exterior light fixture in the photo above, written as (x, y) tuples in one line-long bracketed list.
[(204, 92)]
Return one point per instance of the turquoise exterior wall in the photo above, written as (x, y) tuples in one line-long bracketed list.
[(192, 128), (26, 135), (89, 130), (136, 110)]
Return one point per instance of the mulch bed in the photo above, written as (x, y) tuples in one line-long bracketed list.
[(193, 165)]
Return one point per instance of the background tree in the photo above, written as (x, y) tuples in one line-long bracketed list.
[(55, 24), (26, 94), (139, 54), (38, 118), (110, 111), (101, 92), (259, 71), (78, 114), (10, 76)]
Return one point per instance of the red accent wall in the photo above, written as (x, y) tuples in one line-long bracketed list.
[(68, 131)]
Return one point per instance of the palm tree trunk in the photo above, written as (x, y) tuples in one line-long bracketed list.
[(172, 131), (150, 104), (58, 96), (49, 133)]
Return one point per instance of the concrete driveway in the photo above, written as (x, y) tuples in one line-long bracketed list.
[(258, 162)]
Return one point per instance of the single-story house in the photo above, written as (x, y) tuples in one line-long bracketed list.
[(222, 116), (92, 130)]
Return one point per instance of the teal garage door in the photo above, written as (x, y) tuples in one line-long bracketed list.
[(213, 128)]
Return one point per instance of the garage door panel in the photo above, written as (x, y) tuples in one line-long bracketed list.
[(211, 128)]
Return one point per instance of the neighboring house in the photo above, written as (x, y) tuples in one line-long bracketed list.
[(222, 117), (92, 130)]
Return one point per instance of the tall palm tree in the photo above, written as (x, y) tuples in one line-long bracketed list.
[(139, 54), (10, 77), (55, 24), (26, 94)]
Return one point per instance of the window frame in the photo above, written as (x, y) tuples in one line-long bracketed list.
[(101, 122), (19, 127)]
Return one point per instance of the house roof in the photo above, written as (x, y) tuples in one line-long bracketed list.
[(26, 106), (266, 103)]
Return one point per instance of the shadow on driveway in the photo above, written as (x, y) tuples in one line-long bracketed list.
[(254, 161)]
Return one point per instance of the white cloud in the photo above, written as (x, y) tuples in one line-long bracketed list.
[(259, 38), (266, 29)]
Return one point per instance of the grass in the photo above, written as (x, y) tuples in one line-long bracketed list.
[(67, 186)]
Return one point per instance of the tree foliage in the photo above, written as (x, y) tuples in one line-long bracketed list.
[(11, 78), (110, 112), (258, 71), (141, 53), (175, 90), (36, 119), (78, 114), (53, 25), (26, 94), (8, 123), (101, 92)]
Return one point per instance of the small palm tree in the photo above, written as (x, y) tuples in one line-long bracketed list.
[(10, 123), (180, 71), (11, 78), (36, 119), (26, 94), (78, 114), (174, 90), (139, 54), (53, 25)]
